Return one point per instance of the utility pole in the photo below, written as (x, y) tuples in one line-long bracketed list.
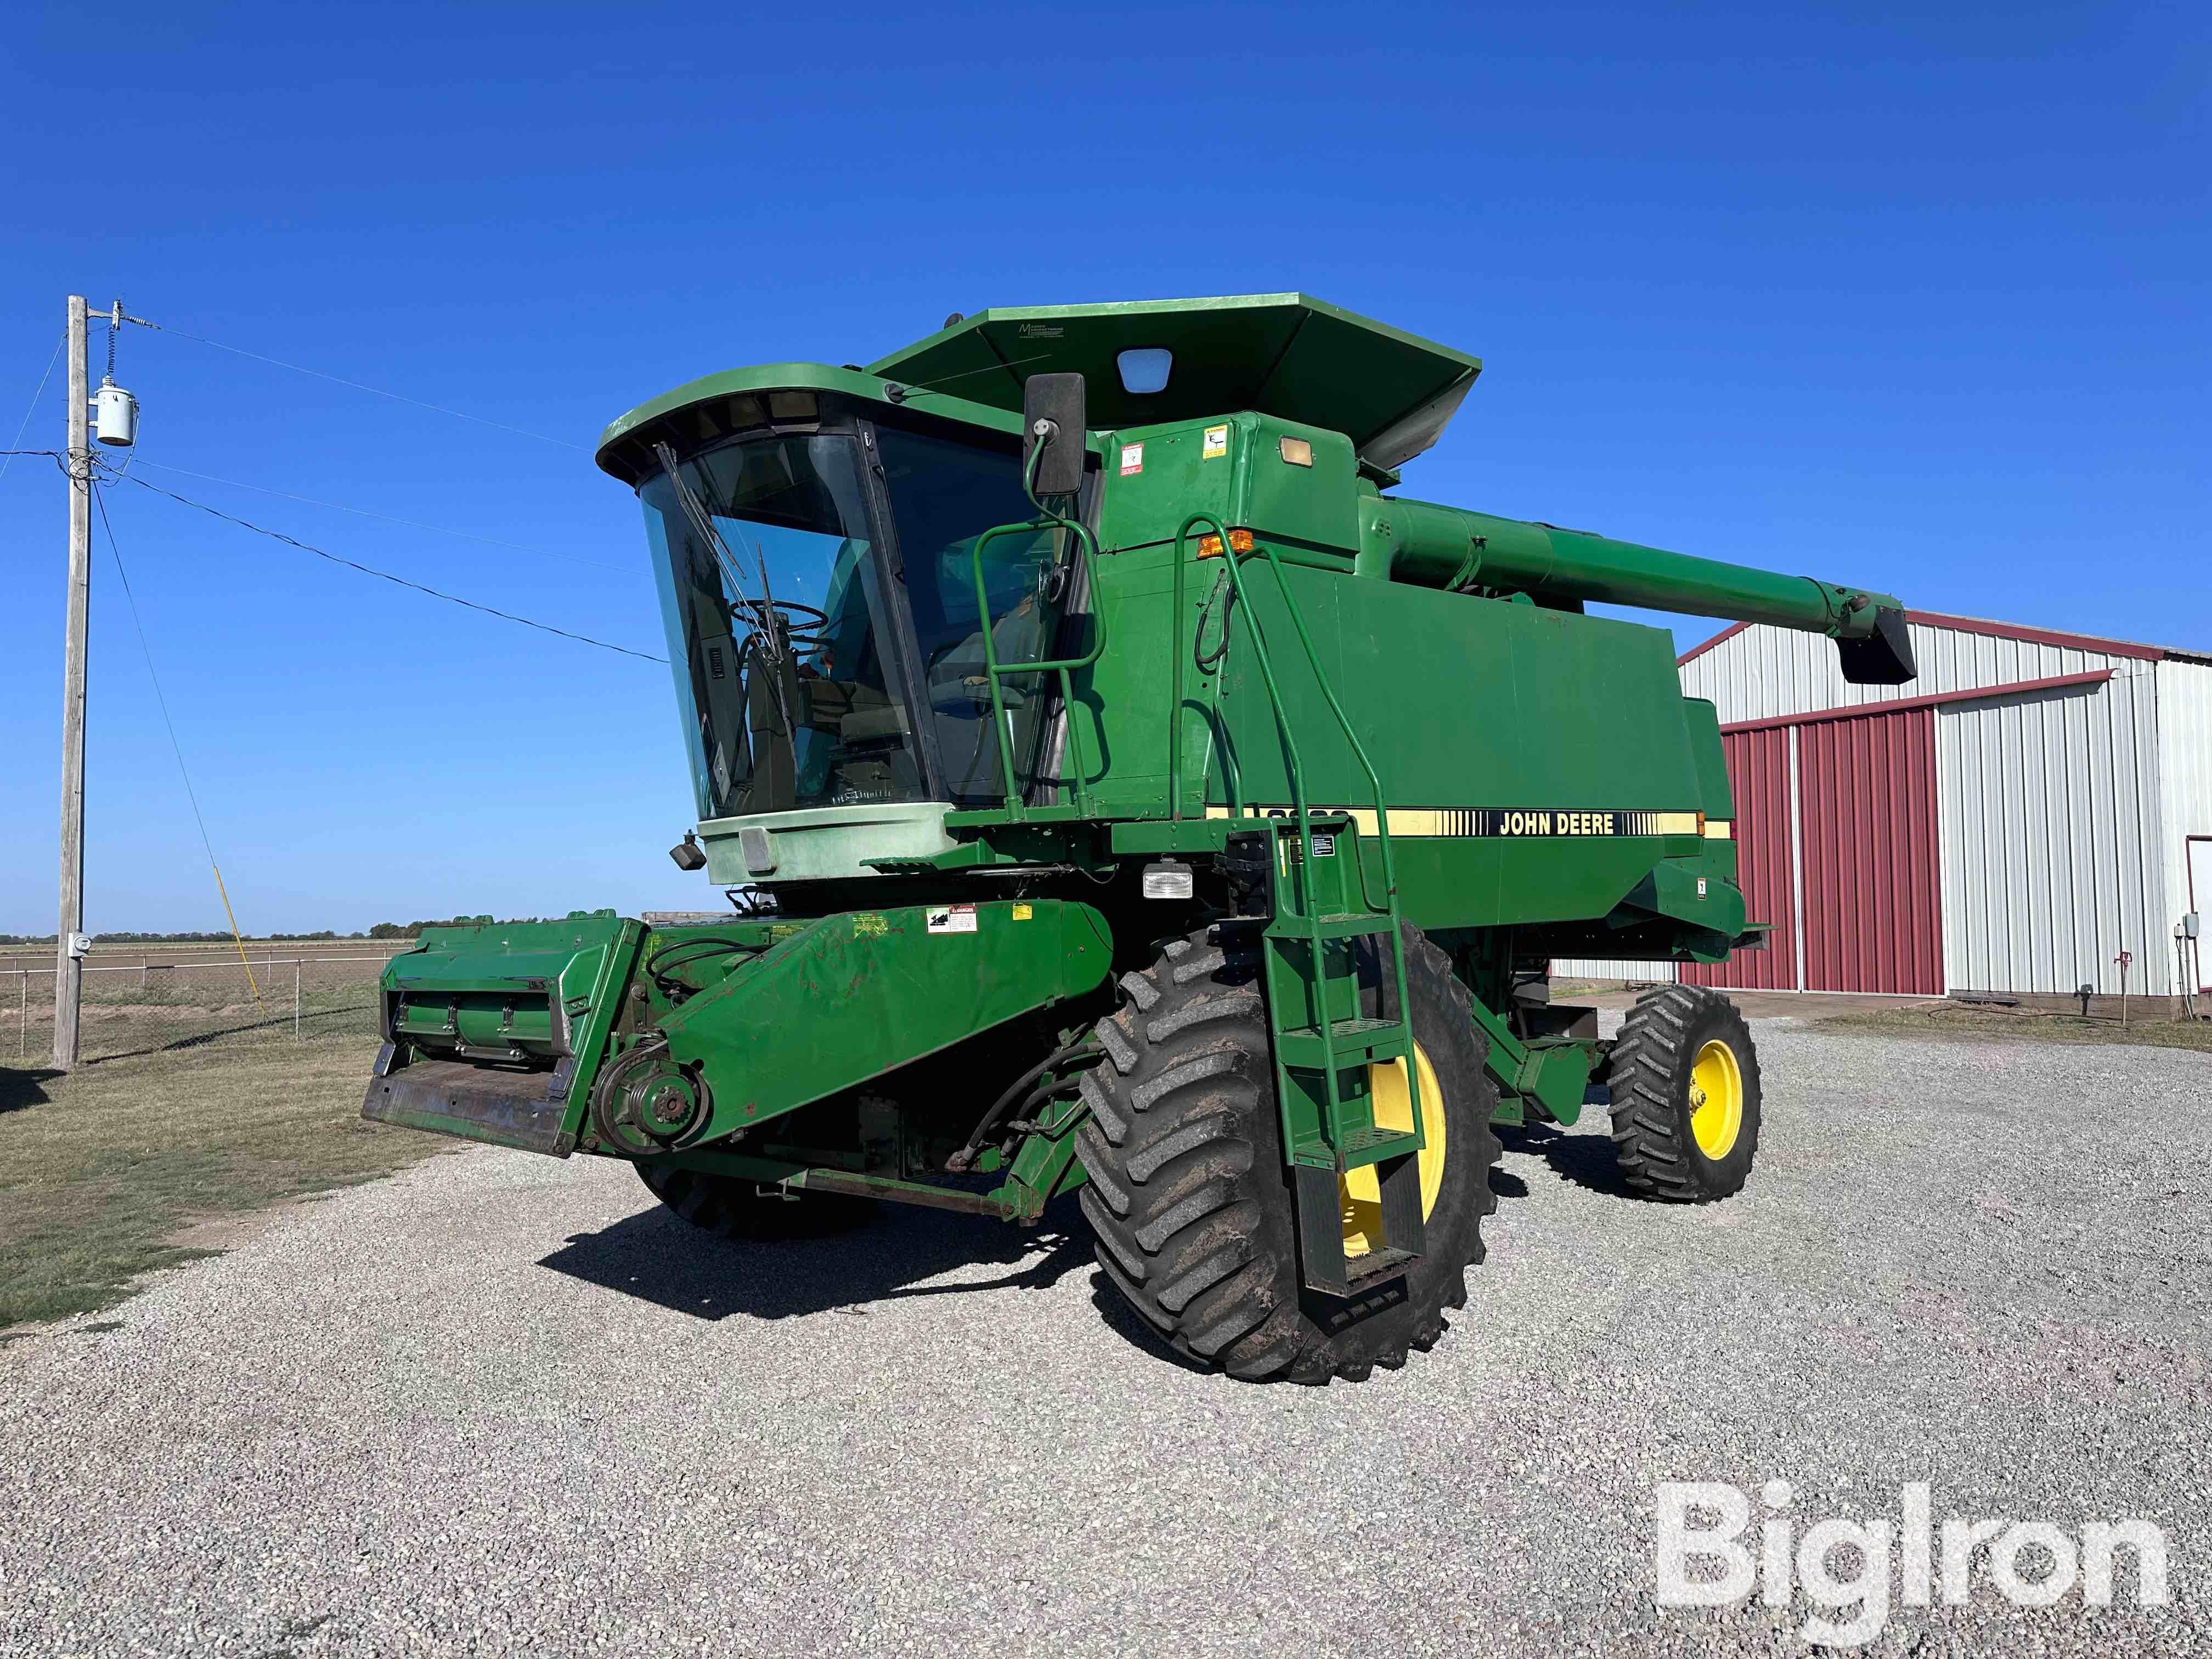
[(69, 943)]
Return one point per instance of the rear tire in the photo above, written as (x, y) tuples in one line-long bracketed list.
[(1190, 1198), (1685, 1096), (731, 1207)]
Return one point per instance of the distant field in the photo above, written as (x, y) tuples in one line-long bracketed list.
[(156, 999), (41, 957)]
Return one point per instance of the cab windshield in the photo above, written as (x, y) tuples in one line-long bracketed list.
[(793, 658)]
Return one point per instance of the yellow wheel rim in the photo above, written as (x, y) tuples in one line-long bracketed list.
[(1359, 1194), (1716, 1099)]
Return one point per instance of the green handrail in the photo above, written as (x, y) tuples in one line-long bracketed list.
[(1297, 785), (993, 669)]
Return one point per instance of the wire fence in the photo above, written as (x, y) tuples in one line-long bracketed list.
[(156, 1001)]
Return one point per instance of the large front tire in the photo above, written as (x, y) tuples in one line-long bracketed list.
[(1190, 1198)]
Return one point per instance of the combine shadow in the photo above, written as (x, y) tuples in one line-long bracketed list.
[(1587, 1160), (22, 1086), (658, 1257)]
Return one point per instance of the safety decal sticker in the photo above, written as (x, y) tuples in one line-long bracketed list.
[(1217, 443), (952, 919), (869, 927), (1133, 460), (1022, 912)]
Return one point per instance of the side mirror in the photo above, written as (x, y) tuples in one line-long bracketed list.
[(1053, 416)]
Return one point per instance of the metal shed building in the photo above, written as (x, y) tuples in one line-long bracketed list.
[(2033, 805)]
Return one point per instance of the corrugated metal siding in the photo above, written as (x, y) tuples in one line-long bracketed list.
[(2184, 766), (1763, 673), (2056, 849), (1873, 905), (1758, 776), (2053, 850), (1660, 972)]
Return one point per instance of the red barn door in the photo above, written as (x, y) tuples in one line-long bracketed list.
[(1864, 819), (1874, 904), (1758, 774)]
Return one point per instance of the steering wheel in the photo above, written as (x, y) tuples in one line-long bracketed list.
[(746, 609)]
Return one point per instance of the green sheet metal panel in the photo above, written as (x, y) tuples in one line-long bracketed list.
[(1468, 708), (846, 997), (1465, 701), (715, 406), (1233, 467), (1285, 355)]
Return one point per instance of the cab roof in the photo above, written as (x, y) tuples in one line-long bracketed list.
[(1285, 355)]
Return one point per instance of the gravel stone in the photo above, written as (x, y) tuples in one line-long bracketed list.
[(502, 1403)]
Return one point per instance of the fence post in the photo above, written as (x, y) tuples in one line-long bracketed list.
[(23, 1013), (296, 999)]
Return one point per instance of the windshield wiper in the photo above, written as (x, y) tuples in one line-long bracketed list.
[(766, 642), (703, 525)]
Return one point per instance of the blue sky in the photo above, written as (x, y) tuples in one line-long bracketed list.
[(1915, 303)]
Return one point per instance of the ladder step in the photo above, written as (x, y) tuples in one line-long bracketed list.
[(1356, 924), (1361, 1147), (1377, 1264), (1288, 924), (1349, 1041)]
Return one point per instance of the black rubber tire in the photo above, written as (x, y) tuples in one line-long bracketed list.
[(731, 1207), (1191, 1200), (1650, 1080)]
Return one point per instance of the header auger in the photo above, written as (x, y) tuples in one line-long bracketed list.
[(1121, 787)]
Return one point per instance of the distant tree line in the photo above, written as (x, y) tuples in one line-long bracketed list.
[(409, 929), (381, 930), (177, 938)]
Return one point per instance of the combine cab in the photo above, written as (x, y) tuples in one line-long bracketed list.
[(1120, 785)]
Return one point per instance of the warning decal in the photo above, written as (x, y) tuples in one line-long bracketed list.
[(1217, 443), (952, 919), (1133, 460)]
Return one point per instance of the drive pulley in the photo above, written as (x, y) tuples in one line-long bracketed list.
[(645, 1103)]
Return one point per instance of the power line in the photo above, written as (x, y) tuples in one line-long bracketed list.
[(9, 460), (385, 575), (100, 499), (411, 524), (339, 379)]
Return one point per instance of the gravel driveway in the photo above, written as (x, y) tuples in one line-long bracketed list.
[(502, 1403)]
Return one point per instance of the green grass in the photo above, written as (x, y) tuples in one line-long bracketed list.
[(101, 1169), (1964, 1020)]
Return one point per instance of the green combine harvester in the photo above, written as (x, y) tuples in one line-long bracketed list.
[(1121, 787)]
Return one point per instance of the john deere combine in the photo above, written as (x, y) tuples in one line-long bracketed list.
[(1120, 786)]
